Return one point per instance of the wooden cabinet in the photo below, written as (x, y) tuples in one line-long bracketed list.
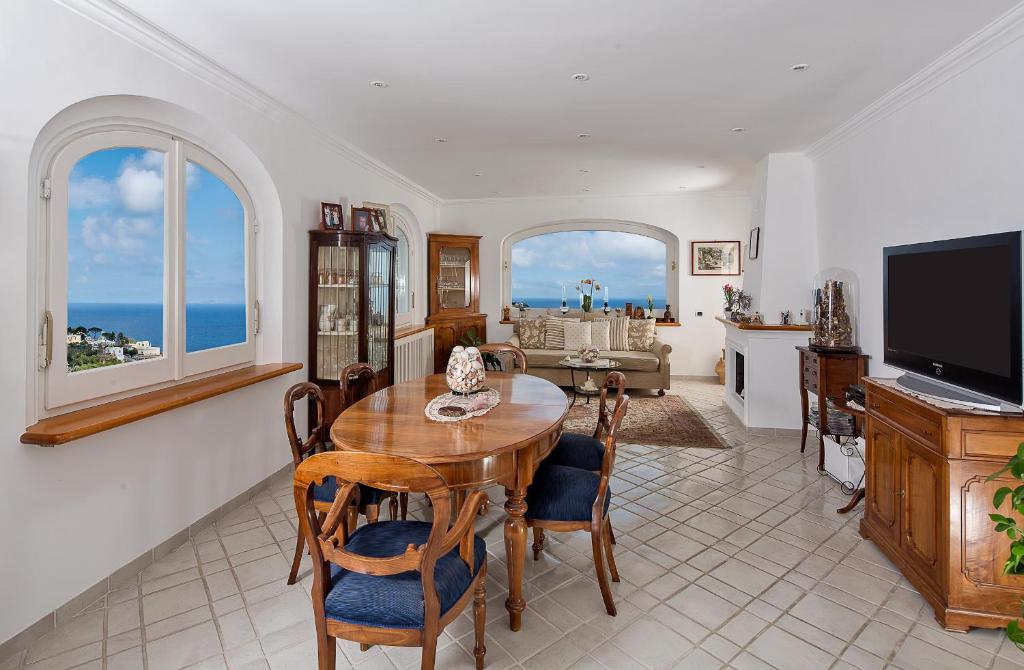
[(351, 308), (927, 503), (453, 285), (826, 374)]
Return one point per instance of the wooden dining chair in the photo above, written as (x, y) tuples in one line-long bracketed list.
[(587, 451), (392, 582), (359, 380), (503, 348), (565, 498)]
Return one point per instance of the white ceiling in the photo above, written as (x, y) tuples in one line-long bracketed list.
[(669, 80)]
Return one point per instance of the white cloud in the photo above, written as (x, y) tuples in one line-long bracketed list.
[(523, 258), (89, 192), (141, 183), (123, 236)]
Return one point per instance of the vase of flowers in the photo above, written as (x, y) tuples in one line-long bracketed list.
[(586, 289), (729, 296)]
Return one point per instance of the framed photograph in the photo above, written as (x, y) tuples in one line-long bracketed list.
[(389, 223), (754, 243), (332, 216), (361, 220), (715, 258)]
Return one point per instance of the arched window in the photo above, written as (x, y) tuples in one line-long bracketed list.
[(631, 261), (150, 265), (405, 295)]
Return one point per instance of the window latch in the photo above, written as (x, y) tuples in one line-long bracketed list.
[(412, 300), (256, 318), (46, 340)]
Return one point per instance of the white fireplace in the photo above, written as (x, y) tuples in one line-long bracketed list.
[(762, 376)]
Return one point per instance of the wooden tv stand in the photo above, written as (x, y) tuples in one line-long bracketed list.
[(927, 503)]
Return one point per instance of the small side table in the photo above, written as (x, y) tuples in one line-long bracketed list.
[(574, 364), (826, 374)]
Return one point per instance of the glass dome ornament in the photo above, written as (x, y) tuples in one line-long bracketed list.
[(834, 295)]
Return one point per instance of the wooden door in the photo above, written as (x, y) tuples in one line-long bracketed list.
[(883, 478), (922, 526)]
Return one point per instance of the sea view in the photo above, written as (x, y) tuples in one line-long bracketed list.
[(207, 326), (573, 301)]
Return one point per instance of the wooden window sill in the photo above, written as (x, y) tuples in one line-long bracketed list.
[(74, 425), (660, 324)]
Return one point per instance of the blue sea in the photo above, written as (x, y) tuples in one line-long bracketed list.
[(573, 301), (206, 326)]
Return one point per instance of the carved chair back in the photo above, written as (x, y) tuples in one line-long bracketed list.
[(617, 381), (608, 461), (327, 540), (301, 448), (504, 348), (358, 380)]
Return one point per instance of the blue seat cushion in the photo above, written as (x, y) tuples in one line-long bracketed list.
[(562, 493), (577, 451), (329, 489), (395, 601)]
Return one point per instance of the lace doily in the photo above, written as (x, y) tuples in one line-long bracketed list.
[(442, 408)]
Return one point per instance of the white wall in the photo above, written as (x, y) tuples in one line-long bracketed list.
[(73, 514), (779, 278), (697, 344), (944, 165)]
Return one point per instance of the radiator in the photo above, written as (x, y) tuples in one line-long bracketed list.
[(414, 356)]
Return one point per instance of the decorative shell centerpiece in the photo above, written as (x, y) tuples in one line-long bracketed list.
[(589, 353), (465, 372)]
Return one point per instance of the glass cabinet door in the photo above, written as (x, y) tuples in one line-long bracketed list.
[(454, 282), (379, 262), (338, 291)]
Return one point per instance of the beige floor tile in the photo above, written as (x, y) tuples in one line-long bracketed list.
[(78, 632), (183, 648), (172, 601)]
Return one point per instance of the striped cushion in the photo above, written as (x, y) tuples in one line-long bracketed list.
[(619, 333), (554, 332), (395, 601)]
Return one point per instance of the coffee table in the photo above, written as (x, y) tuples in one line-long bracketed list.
[(574, 364)]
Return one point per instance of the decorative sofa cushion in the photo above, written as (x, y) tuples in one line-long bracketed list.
[(600, 334), (641, 334), (531, 333), (577, 335), (619, 333), (554, 331)]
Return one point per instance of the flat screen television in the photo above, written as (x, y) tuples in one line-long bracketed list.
[(952, 318)]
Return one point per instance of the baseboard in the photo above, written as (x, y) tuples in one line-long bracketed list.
[(128, 572)]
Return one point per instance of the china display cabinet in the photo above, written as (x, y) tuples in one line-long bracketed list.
[(453, 282), (351, 308)]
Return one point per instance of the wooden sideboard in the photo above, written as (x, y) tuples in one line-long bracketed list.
[(927, 503)]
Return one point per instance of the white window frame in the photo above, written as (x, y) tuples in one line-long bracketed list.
[(64, 391), (406, 318), (587, 225)]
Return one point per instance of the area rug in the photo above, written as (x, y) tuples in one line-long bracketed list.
[(666, 421)]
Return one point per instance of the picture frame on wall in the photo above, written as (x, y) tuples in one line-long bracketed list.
[(715, 258), (361, 219), (332, 216), (389, 222), (754, 243)]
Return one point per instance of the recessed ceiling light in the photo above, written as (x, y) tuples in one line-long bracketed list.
[(377, 83), (799, 67), (584, 170), (586, 189), (683, 187), (701, 167), (478, 174), (739, 130), (583, 136), (580, 76), (440, 140)]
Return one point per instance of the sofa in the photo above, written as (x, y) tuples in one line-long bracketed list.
[(643, 369)]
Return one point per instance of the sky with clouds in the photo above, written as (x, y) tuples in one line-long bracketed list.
[(116, 231), (631, 265)]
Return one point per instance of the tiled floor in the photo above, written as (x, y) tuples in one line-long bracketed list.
[(729, 558)]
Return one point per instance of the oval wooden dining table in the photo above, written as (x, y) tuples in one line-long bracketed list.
[(503, 446)]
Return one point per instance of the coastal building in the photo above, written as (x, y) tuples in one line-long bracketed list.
[(74, 338)]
